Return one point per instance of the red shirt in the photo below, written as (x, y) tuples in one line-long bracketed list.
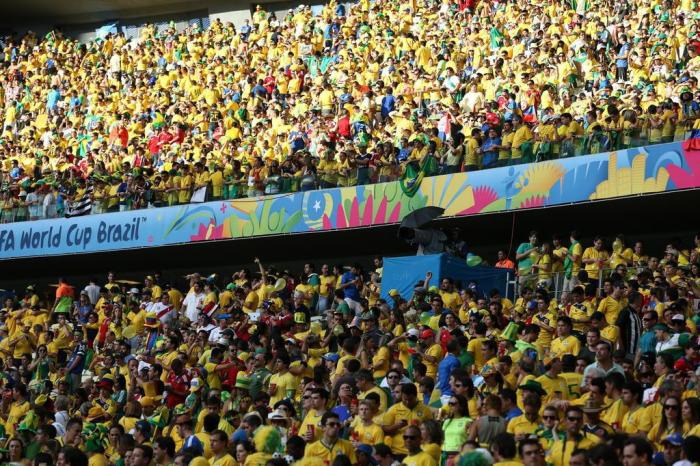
[(180, 383), (344, 127)]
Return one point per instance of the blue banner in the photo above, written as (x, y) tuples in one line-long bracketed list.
[(652, 169)]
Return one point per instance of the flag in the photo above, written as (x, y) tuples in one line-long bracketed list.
[(209, 309), (81, 206), (496, 38)]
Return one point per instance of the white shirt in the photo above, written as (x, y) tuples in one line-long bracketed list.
[(671, 343), (191, 303)]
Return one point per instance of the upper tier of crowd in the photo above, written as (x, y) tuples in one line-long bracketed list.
[(376, 91)]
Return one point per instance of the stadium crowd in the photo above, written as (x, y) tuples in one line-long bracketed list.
[(274, 368), (371, 92)]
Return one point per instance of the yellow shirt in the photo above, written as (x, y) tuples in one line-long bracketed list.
[(567, 345), (431, 368), (556, 388), (631, 420), (521, 135), (371, 434), (573, 383), (474, 347), (286, 386), (312, 418), (17, 412), (419, 459), (581, 311), (560, 454), (593, 269), (544, 339), (611, 308), (226, 460), (521, 425), (614, 414), (380, 362), (98, 459), (328, 452), (213, 379), (400, 412)]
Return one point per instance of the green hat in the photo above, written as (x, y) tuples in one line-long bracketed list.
[(663, 327), (533, 386), (433, 289), (231, 286), (24, 427), (425, 318), (243, 381), (685, 340), (225, 395), (190, 401)]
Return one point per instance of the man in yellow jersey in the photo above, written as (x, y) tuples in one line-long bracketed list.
[(330, 445), (415, 455), (561, 451), (632, 393), (565, 343)]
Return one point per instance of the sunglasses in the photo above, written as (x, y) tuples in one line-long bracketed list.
[(452, 403), (549, 417), (575, 419), (332, 424), (670, 406), (409, 437)]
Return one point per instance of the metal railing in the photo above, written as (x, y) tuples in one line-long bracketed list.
[(14, 208)]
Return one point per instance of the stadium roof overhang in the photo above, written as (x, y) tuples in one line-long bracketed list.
[(84, 11)]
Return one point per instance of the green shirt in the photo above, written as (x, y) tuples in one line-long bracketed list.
[(257, 381)]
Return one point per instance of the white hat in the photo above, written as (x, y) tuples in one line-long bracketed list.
[(222, 341), (278, 415), (680, 317), (413, 332)]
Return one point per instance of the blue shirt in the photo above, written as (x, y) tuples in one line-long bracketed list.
[(53, 98), (350, 291), (647, 342), (514, 412), (445, 368), (620, 63), (78, 352), (195, 443), (388, 104)]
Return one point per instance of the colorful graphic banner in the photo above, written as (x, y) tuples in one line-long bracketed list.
[(652, 169)]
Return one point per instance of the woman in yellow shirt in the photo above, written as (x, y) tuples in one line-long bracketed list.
[(671, 422), (690, 412)]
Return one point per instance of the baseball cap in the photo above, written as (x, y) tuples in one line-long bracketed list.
[(679, 317), (413, 333), (394, 292), (334, 357), (195, 384), (144, 427), (427, 334), (674, 439), (367, 450)]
